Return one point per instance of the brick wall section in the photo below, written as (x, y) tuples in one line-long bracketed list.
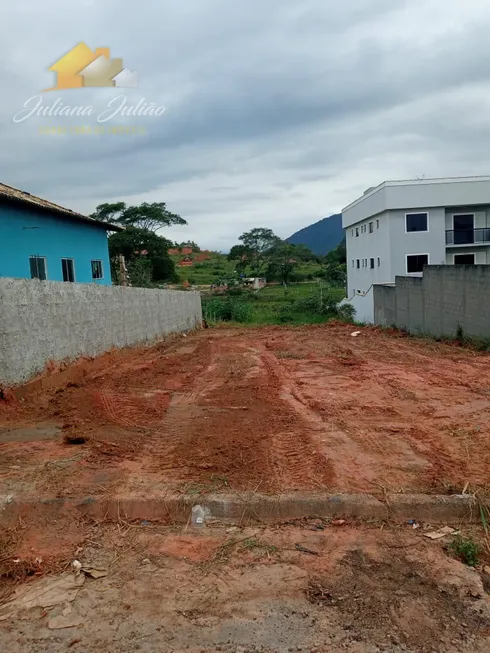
[(43, 320), (437, 303)]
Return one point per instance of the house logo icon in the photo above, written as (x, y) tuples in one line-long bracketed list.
[(81, 67)]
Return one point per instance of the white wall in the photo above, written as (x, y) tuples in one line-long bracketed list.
[(364, 247), (364, 305), (482, 254), (432, 242)]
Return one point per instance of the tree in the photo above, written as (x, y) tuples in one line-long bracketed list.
[(164, 269), (145, 252), (189, 243), (145, 216), (255, 251), (285, 258), (335, 268)]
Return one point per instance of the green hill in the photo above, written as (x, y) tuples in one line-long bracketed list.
[(320, 237)]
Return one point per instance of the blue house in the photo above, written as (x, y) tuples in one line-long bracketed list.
[(41, 240)]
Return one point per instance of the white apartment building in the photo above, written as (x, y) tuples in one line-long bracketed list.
[(398, 227)]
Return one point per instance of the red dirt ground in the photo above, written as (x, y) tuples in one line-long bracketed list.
[(267, 409)]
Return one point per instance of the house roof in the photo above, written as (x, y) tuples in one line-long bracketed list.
[(8, 193)]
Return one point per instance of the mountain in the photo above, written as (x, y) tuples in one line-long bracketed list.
[(320, 237)]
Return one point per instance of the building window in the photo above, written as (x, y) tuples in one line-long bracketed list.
[(357, 232), (97, 271), (371, 263), (352, 233), (358, 264), (464, 259), (379, 261), (377, 223), (352, 262), (68, 269), (371, 227), (416, 262), (38, 267), (416, 222)]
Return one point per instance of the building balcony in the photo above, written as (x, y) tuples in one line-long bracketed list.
[(468, 237)]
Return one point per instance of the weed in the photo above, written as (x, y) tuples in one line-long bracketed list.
[(459, 333), (288, 354), (252, 543), (466, 550)]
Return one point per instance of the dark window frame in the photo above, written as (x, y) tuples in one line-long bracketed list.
[(417, 214), (97, 276), (464, 255), (68, 269), (371, 263), (416, 256), (34, 267)]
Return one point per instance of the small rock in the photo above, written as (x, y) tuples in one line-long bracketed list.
[(146, 561)]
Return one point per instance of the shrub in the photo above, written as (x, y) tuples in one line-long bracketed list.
[(241, 311), (466, 550), (227, 310), (346, 312)]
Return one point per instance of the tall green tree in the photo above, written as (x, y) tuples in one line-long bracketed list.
[(255, 251), (334, 267), (145, 253), (144, 216), (285, 258)]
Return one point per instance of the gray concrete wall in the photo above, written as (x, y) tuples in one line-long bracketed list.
[(384, 305), (43, 320), (443, 299)]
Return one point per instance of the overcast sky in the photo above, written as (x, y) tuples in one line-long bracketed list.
[(278, 112)]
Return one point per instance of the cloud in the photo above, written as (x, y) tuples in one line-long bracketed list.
[(277, 113)]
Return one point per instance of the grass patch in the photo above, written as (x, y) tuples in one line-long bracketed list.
[(466, 550), (309, 303)]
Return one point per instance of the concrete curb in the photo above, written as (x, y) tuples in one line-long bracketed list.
[(245, 507)]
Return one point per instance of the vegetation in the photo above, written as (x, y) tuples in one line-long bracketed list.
[(466, 550), (255, 252), (149, 217), (307, 303), (145, 252)]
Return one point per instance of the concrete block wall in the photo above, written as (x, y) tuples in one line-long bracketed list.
[(384, 305), (45, 320), (445, 298)]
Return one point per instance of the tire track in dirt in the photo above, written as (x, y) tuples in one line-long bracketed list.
[(349, 463), (296, 455)]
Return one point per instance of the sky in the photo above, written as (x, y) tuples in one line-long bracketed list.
[(277, 112)]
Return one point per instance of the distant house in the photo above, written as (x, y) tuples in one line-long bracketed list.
[(41, 240), (255, 282), (185, 262)]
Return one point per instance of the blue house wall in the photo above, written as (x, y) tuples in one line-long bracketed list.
[(26, 232)]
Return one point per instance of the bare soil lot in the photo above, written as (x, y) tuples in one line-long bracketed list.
[(269, 409), (354, 588)]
